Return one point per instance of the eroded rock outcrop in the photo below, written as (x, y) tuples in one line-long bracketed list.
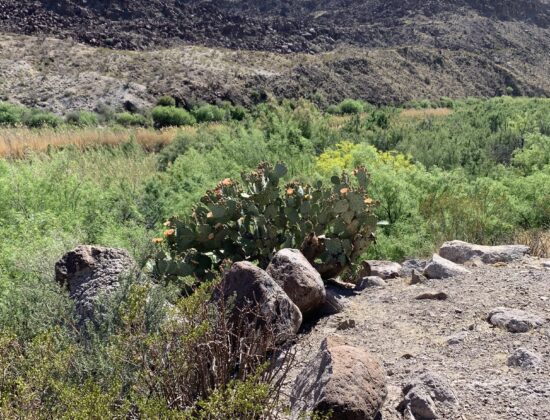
[(90, 272)]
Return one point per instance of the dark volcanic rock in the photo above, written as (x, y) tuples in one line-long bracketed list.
[(91, 271)]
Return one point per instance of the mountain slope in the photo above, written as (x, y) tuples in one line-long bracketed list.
[(381, 51)]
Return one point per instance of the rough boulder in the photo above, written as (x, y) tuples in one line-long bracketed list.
[(461, 252), (440, 268), (297, 277), (343, 380), (250, 289), (89, 272)]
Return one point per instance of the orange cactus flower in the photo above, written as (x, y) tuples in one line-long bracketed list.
[(290, 191), (227, 182), (169, 232), (157, 240), (344, 191), (369, 200)]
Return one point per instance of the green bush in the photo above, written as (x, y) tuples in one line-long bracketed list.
[(11, 114), (209, 113), (169, 116), (39, 119), (127, 119), (166, 101), (82, 119), (351, 106)]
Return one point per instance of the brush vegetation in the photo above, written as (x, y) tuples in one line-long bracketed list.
[(475, 170)]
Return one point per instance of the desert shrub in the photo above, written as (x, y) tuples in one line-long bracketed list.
[(167, 116), (333, 110), (166, 101), (351, 106), (238, 113), (211, 363), (11, 114), (253, 221), (127, 119), (38, 119), (209, 113), (82, 119)]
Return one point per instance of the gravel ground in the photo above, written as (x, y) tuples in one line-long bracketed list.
[(453, 339)]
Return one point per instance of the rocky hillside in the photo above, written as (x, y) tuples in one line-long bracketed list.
[(469, 343), (382, 51)]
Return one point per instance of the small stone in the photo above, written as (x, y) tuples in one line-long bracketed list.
[(418, 278), (546, 264), (368, 282), (346, 325), (433, 296), (457, 338), (524, 358)]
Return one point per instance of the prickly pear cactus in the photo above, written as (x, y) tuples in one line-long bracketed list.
[(252, 220)]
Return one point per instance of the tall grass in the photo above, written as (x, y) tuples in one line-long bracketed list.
[(19, 142)]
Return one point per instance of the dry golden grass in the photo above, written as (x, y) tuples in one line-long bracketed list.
[(538, 240), (17, 142), (425, 113)]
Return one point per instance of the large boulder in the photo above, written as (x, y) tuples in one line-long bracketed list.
[(342, 380), (89, 272), (250, 291), (440, 268), (514, 320), (301, 282), (382, 269), (461, 252)]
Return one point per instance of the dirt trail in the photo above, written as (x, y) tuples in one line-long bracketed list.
[(408, 335)]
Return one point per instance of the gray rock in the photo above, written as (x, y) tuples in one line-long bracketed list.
[(90, 272), (335, 302), (418, 278), (524, 358), (343, 380), (546, 264), (247, 287), (346, 325), (421, 394), (420, 404), (382, 269), (440, 268), (371, 281), (457, 338), (514, 320), (408, 266), (301, 282), (461, 252)]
